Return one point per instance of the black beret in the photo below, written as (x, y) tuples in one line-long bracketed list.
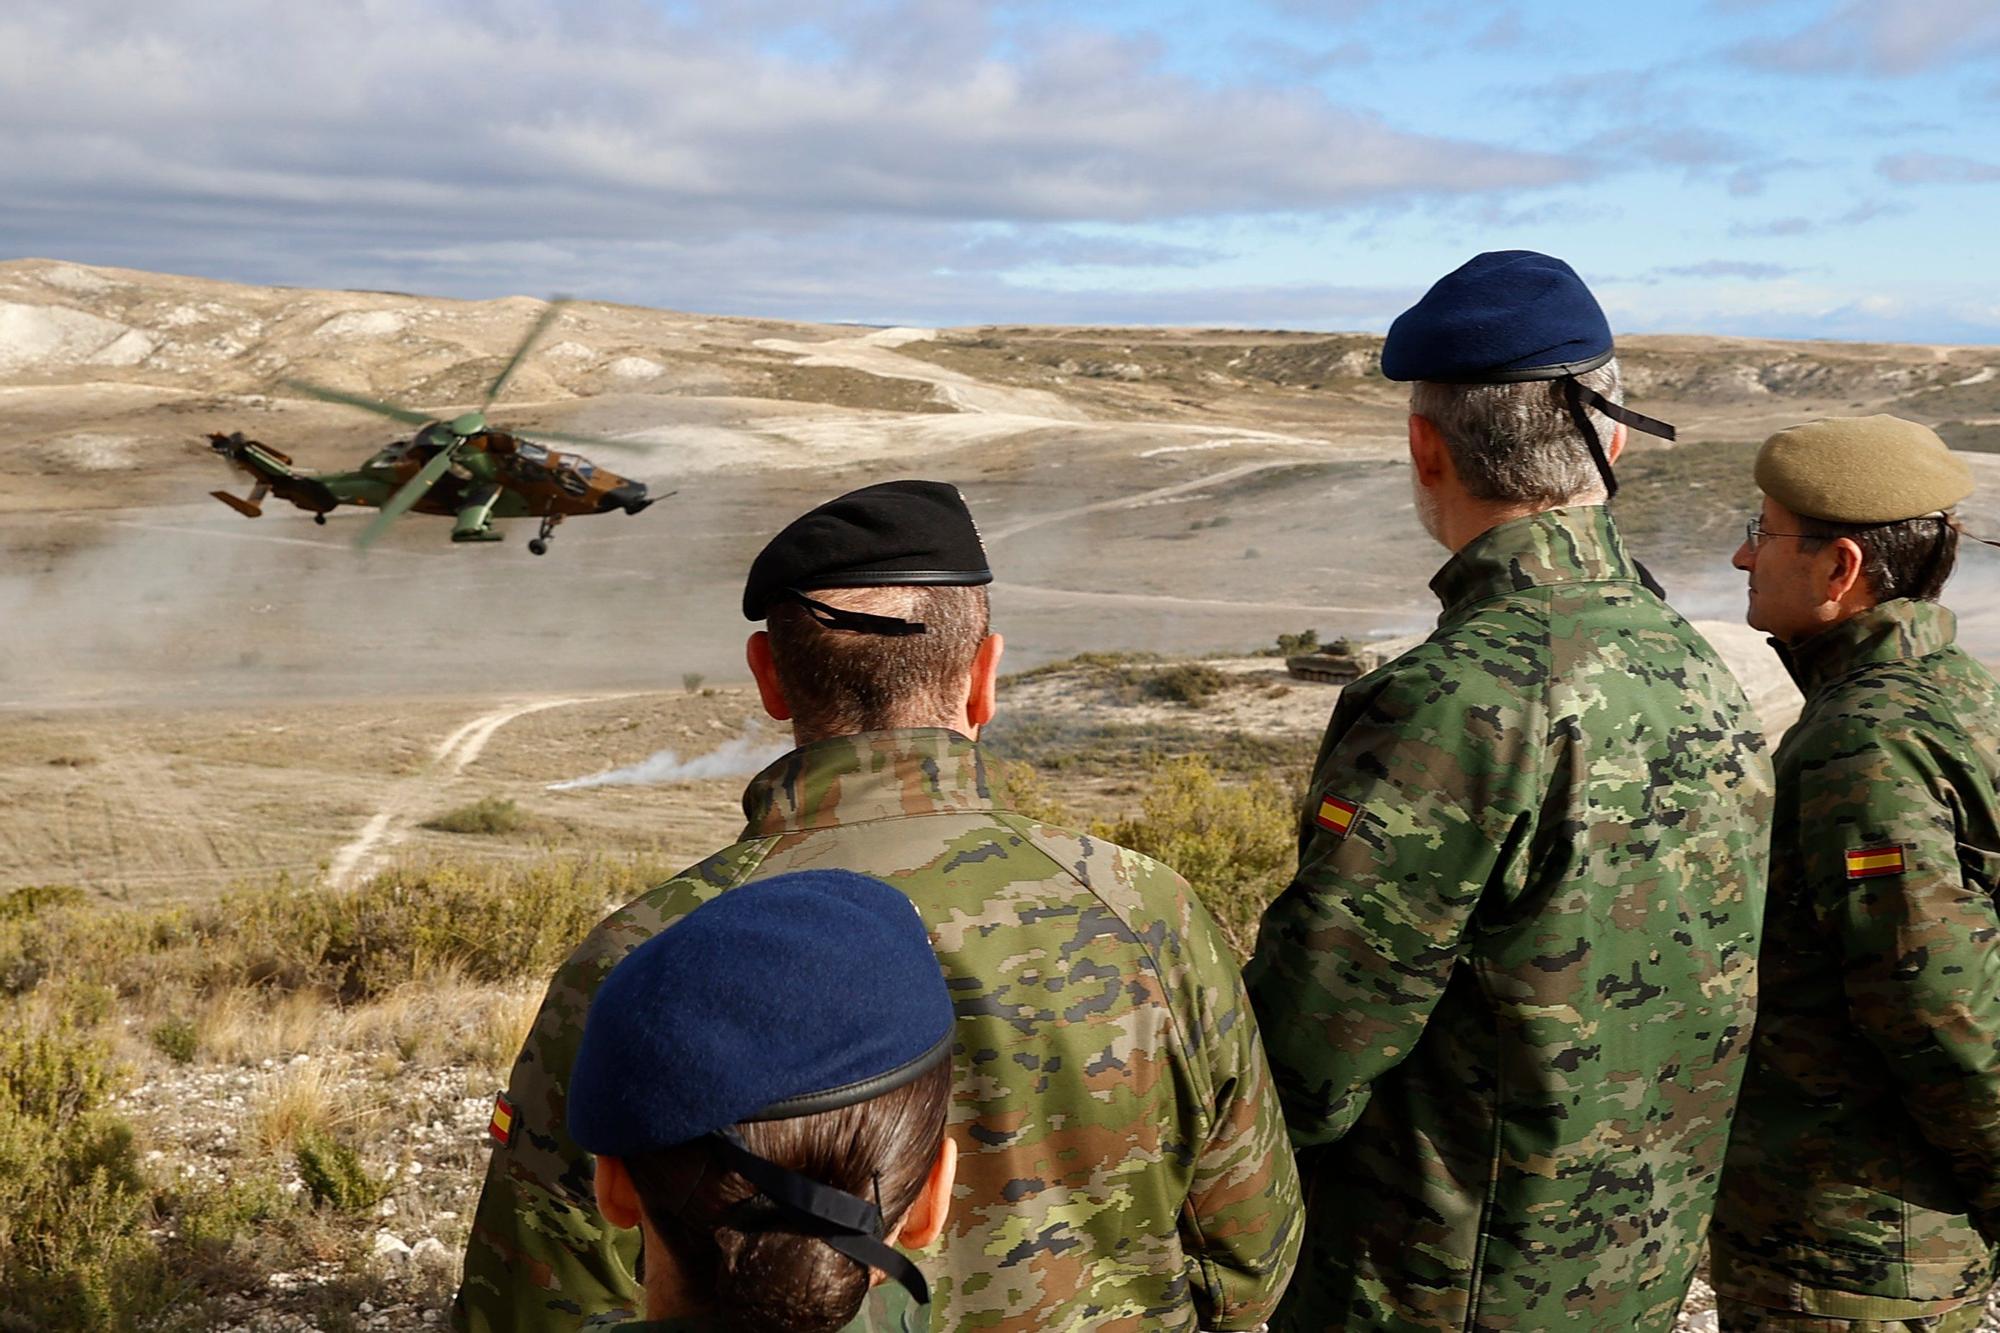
[(1501, 317), (782, 997), (893, 533)]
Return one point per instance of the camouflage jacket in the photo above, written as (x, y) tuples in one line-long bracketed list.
[(886, 1309), (1508, 995), (1122, 1160), (1864, 1171)]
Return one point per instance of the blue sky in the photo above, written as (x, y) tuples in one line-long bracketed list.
[(1791, 168)]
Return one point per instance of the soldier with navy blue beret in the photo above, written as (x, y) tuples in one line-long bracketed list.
[(765, 1089), (1122, 1159), (1508, 993), (1862, 1191)]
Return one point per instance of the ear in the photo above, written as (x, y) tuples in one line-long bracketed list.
[(1617, 443), (1841, 562), (764, 670), (1429, 454), (924, 1222), (984, 695), (617, 1196)]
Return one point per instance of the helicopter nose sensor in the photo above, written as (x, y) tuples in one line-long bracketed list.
[(631, 497)]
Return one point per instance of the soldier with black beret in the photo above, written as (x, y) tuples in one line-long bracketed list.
[(1862, 1190), (1508, 994), (1122, 1158), (765, 1088)]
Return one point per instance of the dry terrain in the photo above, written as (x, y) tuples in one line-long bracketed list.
[(191, 701)]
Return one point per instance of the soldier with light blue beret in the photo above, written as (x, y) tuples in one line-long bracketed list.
[(765, 1089)]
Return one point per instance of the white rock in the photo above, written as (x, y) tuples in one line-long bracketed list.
[(362, 324), (430, 1249), (635, 368), (390, 1246)]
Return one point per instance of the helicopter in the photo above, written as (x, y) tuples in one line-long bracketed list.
[(462, 467)]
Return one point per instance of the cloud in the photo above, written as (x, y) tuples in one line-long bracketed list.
[(536, 119), (1882, 37), (1797, 225), (1725, 268), (1936, 169)]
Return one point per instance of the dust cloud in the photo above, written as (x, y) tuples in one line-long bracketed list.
[(737, 758)]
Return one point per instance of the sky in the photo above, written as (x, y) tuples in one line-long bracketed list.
[(1783, 168)]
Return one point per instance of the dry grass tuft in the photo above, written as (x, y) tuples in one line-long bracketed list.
[(306, 1099)]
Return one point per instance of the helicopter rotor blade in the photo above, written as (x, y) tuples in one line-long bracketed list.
[(361, 401), (535, 331), (413, 490)]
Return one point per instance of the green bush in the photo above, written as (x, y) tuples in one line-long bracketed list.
[(487, 816), (485, 923), (691, 681), (1190, 683), (1235, 843), (175, 1039), (334, 1176), (74, 1206)]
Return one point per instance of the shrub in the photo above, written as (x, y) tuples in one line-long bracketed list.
[(691, 681), (1018, 787), (1235, 843), (74, 1206), (487, 815), (1190, 683), (175, 1039), (1292, 645), (333, 1174), (409, 923)]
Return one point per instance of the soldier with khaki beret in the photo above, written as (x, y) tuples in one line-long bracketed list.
[(1862, 1186)]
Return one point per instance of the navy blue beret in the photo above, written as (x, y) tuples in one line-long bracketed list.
[(895, 532), (1501, 317), (779, 998)]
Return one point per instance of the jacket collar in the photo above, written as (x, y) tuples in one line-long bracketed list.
[(875, 775), (1569, 545), (1892, 631)]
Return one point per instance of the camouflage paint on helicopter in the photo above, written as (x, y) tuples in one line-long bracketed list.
[(459, 467), (491, 474)]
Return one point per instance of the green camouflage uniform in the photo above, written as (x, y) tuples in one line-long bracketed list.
[(1122, 1160), (886, 1309), (1508, 1008), (1864, 1172)]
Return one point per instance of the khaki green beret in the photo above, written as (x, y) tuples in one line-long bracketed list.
[(1878, 469)]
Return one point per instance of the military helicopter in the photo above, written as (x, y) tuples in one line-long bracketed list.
[(461, 467)]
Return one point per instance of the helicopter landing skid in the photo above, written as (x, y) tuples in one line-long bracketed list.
[(539, 543)]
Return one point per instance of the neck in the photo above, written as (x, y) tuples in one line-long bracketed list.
[(803, 735), (1464, 522), (667, 1296)]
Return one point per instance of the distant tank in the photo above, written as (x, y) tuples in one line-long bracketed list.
[(1336, 663)]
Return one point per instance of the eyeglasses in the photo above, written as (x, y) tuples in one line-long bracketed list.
[(1754, 534)]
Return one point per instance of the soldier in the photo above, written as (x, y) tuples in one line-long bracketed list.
[(765, 1088), (1508, 994), (1862, 1190), (1122, 1160)]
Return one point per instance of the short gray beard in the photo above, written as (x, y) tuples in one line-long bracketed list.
[(1427, 509)]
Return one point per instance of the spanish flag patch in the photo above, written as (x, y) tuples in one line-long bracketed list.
[(1871, 862), (1336, 816), (501, 1127)]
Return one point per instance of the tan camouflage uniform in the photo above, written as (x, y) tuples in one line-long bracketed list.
[(1508, 1008), (1864, 1172), (1123, 1162)]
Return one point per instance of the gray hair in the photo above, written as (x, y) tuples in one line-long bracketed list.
[(1516, 442), (1912, 558)]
